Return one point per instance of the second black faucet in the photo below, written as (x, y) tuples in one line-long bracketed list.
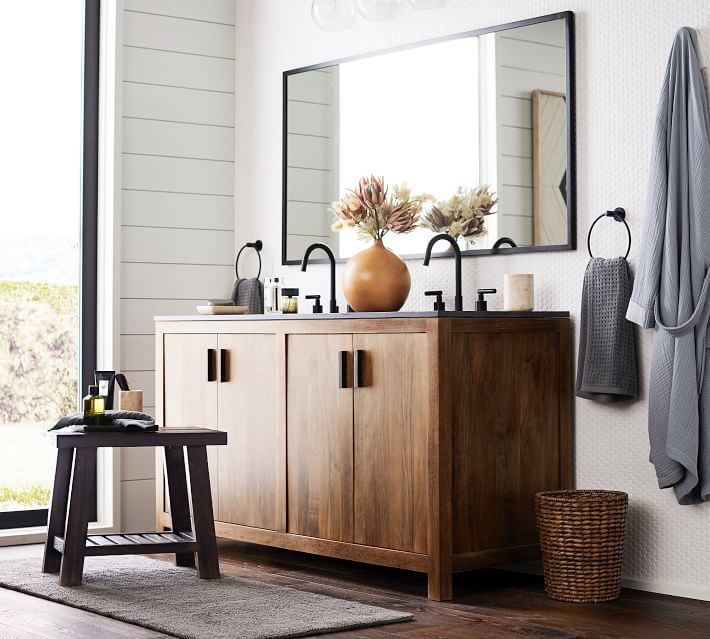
[(458, 298), (304, 263)]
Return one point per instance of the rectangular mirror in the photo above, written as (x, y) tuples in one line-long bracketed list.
[(494, 107)]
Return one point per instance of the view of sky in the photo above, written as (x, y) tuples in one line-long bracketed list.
[(41, 44)]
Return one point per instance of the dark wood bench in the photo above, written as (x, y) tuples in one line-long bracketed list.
[(67, 540)]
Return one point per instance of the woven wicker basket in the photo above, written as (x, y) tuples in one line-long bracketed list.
[(582, 543)]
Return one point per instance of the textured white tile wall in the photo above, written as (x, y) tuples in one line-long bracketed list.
[(622, 49)]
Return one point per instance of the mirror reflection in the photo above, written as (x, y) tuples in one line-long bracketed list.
[(479, 119)]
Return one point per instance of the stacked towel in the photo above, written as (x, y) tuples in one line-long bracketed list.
[(249, 293), (117, 421), (606, 369)]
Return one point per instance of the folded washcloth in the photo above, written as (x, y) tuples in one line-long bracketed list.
[(606, 369), (117, 421), (249, 293)]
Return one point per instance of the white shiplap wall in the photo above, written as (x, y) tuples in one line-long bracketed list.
[(177, 189)]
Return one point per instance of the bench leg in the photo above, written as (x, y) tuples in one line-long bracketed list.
[(179, 502), (72, 565), (58, 509), (207, 561)]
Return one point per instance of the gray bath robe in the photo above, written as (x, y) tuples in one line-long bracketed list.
[(672, 281)]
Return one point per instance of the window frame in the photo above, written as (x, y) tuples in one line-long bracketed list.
[(88, 327)]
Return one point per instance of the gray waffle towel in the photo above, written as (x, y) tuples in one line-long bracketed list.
[(606, 369), (250, 293)]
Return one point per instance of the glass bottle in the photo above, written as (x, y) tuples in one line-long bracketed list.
[(94, 407), (272, 295)]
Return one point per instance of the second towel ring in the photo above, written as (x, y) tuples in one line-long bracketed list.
[(619, 215), (257, 246)]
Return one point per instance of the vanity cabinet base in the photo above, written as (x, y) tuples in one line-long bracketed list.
[(433, 439), (440, 580)]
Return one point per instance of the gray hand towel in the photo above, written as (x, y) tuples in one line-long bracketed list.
[(119, 421), (606, 368), (249, 293)]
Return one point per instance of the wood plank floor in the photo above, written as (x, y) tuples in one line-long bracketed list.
[(489, 604)]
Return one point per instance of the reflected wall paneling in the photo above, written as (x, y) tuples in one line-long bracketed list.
[(311, 151), (177, 187), (538, 45)]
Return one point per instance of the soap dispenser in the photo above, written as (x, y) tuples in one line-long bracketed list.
[(317, 306), (439, 304), (481, 303)]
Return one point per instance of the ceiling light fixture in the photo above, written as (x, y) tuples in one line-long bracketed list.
[(333, 15), (379, 9), (427, 4)]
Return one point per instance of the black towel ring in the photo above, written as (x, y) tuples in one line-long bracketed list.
[(257, 246), (619, 215)]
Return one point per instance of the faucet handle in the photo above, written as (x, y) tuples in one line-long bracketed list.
[(317, 306), (439, 303), (481, 303)]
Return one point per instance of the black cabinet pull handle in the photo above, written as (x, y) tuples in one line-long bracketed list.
[(223, 365), (342, 369), (211, 365), (357, 365)]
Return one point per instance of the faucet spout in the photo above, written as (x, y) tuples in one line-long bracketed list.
[(458, 298), (304, 263)]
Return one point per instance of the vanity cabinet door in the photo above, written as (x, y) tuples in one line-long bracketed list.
[(252, 468), (190, 380), (391, 409), (190, 393), (319, 409)]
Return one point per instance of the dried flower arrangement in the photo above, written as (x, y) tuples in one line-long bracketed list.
[(463, 214), (374, 210)]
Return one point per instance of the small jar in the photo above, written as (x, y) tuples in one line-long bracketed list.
[(289, 300)]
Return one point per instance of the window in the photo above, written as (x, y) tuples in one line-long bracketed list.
[(49, 55)]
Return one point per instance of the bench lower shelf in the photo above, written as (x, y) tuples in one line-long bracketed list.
[(135, 543)]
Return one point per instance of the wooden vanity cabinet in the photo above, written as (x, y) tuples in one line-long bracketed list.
[(416, 443)]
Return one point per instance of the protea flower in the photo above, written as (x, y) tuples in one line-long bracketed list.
[(371, 192), (436, 220), (402, 219)]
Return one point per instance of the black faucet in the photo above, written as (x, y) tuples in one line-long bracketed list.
[(331, 257), (458, 299)]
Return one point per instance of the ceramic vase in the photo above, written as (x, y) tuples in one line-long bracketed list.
[(376, 280)]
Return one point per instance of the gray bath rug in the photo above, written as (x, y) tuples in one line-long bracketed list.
[(162, 597)]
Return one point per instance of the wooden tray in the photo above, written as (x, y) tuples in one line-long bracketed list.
[(222, 310)]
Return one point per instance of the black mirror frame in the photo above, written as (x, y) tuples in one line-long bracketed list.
[(568, 17)]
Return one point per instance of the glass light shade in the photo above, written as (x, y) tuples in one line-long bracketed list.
[(380, 9), (427, 4), (333, 15)]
